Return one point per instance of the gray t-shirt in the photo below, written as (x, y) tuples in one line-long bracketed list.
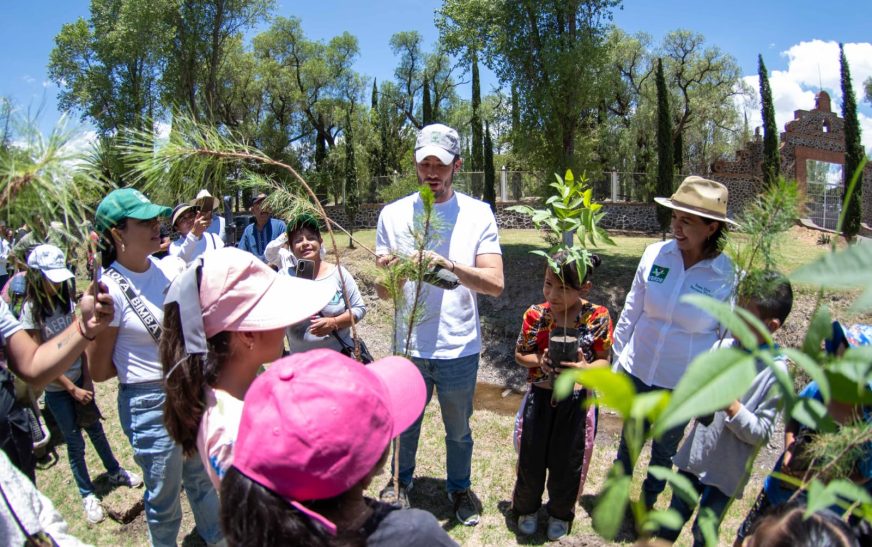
[(52, 326), (9, 325), (299, 336)]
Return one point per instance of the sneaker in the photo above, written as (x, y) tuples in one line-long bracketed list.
[(388, 495), (123, 477), (465, 509), (557, 528), (528, 524), (93, 510)]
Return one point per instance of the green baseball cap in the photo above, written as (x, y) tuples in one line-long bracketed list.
[(126, 203)]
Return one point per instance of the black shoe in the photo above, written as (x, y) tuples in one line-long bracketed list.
[(389, 495), (465, 508)]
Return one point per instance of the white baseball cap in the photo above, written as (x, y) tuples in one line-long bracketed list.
[(50, 261), (437, 140)]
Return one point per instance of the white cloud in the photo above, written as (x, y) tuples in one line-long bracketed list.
[(812, 66), (28, 79)]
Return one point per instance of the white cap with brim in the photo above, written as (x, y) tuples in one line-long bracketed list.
[(437, 140), (50, 261), (446, 157)]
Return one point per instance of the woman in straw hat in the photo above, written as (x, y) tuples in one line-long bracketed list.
[(658, 335)]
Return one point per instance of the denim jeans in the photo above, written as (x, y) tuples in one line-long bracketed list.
[(63, 407), (662, 451), (709, 496), (454, 380), (164, 469)]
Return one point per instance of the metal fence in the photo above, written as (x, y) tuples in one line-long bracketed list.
[(518, 185)]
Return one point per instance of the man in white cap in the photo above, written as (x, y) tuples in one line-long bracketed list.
[(446, 342)]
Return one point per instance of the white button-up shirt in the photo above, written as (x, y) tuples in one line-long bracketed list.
[(657, 335)]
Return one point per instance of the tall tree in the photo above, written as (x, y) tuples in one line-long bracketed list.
[(771, 156), (352, 191), (490, 191), (426, 105), (853, 151), (665, 166), (477, 156), (868, 86)]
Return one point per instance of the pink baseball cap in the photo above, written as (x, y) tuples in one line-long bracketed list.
[(238, 292), (316, 423)]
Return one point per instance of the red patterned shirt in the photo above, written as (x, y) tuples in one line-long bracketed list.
[(595, 333)]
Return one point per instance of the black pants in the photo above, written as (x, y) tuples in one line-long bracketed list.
[(552, 440), (707, 496)]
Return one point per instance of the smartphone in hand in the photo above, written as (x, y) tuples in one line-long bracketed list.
[(305, 269)]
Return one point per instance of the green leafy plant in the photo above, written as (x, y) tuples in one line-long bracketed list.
[(571, 221)]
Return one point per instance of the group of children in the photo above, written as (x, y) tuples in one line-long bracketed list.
[(293, 451), (718, 451)]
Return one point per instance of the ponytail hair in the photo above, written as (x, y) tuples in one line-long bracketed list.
[(186, 377), (569, 269)]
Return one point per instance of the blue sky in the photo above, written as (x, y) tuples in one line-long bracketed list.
[(797, 40)]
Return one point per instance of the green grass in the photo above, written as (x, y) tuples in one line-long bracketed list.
[(494, 459)]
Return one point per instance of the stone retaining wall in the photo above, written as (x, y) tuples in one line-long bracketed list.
[(636, 217)]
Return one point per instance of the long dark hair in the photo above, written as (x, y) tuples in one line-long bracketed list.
[(44, 304), (785, 526), (106, 244), (714, 244), (185, 384)]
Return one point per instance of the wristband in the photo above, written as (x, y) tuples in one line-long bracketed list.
[(81, 330), (453, 265)]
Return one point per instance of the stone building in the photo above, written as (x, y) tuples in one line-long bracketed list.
[(816, 135)]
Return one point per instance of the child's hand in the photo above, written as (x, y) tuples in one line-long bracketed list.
[(545, 362), (581, 363)]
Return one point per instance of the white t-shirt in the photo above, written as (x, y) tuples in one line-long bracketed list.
[(658, 335), (217, 433), (136, 353), (9, 325), (189, 247), (52, 326), (218, 226), (465, 228)]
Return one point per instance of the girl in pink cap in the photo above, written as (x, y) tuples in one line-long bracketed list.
[(224, 317), (314, 433)]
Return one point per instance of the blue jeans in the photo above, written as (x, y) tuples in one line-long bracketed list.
[(165, 469), (709, 496), (63, 407), (454, 380), (662, 451)]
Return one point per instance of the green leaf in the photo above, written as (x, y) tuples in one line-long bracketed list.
[(681, 485), (846, 268), (760, 330), (565, 383), (812, 413), (819, 498), (668, 518), (650, 405), (849, 376), (782, 376), (614, 390), (712, 381), (725, 315), (820, 328), (608, 514), (811, 368), (708, 523)]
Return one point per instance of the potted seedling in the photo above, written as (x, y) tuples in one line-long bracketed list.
[(571, 222)]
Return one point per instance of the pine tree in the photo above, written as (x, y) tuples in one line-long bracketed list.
[(665, 158), (771, 156), (490, 191), (426, 107), (853, 152)]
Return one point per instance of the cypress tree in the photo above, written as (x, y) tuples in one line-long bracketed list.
[(771, 156), (490, 190), (426, 107), (665, 157), (352, 198), (477, 158), (853, 152)]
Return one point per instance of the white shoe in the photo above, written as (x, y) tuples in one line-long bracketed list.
[(125, 478), (93, 510), (528, 524), (557, 528)]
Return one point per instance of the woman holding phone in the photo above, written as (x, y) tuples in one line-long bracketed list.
[(129, 226), (192, 223), (331, 327)]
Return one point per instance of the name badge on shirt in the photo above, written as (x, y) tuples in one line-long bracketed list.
[(658, 274), (696, 287)]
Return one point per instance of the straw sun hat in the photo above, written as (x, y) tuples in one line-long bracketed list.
[(701, 197)]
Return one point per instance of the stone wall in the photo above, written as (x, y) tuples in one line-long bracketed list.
[(635, 217)]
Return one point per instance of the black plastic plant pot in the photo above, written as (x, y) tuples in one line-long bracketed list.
[(563, 345)]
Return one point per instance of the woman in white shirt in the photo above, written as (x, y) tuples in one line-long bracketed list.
[(130, 232), (658, 335), (194, 239)]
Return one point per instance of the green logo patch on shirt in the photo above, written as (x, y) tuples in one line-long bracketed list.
[(658, 273)]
